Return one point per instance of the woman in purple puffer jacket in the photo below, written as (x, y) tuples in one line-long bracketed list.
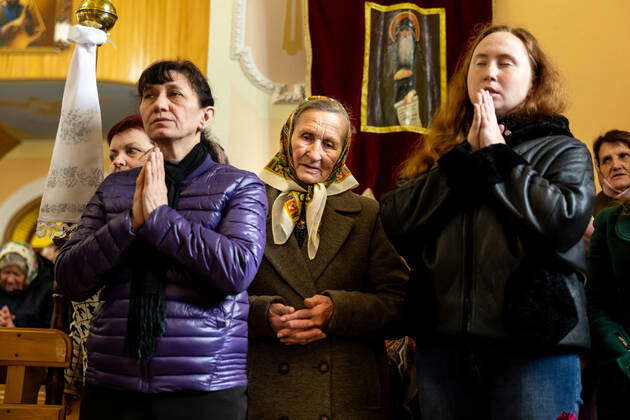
[(175, 245)]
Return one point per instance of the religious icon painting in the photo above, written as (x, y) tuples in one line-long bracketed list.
[(404, 70), (34, 25)]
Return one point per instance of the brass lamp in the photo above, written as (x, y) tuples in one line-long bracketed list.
[(99, 14)]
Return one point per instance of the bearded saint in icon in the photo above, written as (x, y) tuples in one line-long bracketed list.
[(403, 62)]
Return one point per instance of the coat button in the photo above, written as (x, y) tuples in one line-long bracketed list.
[(283, 368), (323, 367)]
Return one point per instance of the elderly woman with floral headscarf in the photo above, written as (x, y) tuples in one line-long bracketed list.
[(26, 281), (330, 286)]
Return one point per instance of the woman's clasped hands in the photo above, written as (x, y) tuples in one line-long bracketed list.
[(151, 191), (484, 130), (302, 326), (6, 318)]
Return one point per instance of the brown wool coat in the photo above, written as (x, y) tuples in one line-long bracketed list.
[(343, 376)]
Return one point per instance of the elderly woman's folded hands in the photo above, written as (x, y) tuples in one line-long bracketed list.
[(303, 326)]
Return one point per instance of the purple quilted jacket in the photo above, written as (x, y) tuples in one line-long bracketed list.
[(217, 236)]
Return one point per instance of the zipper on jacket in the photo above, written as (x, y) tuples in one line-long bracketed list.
[(468, 270)]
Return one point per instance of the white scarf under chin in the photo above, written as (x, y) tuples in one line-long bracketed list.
[(281, 221)]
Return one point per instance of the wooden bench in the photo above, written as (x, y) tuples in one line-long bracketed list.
[(21, 348)]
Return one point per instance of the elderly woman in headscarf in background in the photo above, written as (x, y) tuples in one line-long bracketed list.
[(26, 281), (330, 286)]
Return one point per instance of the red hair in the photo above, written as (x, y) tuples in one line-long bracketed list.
[(127, 123)]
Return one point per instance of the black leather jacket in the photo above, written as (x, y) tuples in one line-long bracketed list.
[(477, 221)]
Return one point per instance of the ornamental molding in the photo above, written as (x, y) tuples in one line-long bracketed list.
[(280, 93)]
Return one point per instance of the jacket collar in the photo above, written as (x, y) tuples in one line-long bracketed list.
[(205, 165), (522, 129), (337, 221), (622, 225), (288, 259)]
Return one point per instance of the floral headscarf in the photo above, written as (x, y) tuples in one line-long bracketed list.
[(294, 194), (27, 255)]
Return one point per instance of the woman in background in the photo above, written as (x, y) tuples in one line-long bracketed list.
[(128, 143), (26, 281), (609, 311)]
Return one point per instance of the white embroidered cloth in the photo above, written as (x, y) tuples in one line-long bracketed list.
[(76, 168)]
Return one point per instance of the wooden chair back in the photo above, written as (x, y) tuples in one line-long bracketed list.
[(21, 348)]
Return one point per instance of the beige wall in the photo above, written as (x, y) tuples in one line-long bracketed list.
[(589, 42), (246, 122), (27, 162), (268, 23)]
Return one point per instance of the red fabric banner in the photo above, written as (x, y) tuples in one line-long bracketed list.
[(387, 62)]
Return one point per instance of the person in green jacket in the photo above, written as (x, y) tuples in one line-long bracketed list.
[(608, 292), (612, 161)]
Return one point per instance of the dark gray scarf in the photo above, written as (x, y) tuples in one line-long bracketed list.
[(146, 320)]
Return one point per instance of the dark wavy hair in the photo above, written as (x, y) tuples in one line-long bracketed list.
[(451, 124)]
